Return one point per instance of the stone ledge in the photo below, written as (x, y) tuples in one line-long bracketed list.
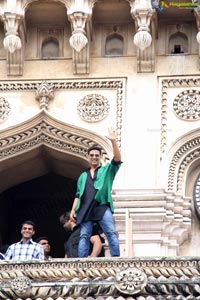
[(137, 277)]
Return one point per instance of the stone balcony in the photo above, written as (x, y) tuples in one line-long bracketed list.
[(101, 278)]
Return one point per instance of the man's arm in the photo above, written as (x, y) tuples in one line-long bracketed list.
[(72, 214), (96, 245), (40, 254), (112, 136), (8, 254)]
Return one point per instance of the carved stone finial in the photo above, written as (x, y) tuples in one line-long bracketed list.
[(44, 94)]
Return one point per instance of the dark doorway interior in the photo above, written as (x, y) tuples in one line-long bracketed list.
[(41, 200)]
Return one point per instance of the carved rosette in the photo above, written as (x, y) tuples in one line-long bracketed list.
[(4, 109), (187, 105), (93, 108), (131, 281), (44, 94), (21, 285)]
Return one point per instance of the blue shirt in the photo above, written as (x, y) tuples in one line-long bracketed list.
[(23, 251)]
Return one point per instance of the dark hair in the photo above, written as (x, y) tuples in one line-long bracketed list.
[(94, 148), (41, 238), (29, 223), (65, 217)]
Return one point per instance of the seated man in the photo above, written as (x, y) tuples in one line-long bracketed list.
[(71, 245), (44, 241)]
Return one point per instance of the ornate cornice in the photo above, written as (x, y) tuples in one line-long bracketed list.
[(140, 277)]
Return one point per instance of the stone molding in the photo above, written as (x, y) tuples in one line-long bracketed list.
[(152, 217), (138, 277)]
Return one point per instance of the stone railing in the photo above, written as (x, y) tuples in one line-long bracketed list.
[(101, 278)]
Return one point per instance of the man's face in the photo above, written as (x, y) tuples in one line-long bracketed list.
[(94, 158), (27, 231), (45, 245), (67, 225)]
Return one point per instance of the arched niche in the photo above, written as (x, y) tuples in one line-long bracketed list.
[(50, 48), (114, 45), (178, 43)]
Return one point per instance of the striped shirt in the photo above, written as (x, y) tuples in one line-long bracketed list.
[(23, 251)]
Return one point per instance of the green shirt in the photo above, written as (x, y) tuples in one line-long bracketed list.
[(103, 184)]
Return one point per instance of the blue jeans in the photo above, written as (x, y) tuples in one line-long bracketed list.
[(108, 226)]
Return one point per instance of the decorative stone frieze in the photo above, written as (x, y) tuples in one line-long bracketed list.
[(44, 92), (93, 107), (4, 109), (157, 278)]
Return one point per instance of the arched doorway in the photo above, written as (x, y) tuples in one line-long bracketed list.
[(41, 200), (40, 161)]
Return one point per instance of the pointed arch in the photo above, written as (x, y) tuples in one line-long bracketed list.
[(184, 159), (33, 147)]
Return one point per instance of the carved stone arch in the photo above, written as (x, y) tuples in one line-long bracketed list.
[(184, 163), (26, 3), (31, 148)]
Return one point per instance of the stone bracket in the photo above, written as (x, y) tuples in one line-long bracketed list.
[(80, 18), (13, 43), (144, 39)]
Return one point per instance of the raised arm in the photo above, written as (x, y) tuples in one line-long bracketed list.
[(112, 136)]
